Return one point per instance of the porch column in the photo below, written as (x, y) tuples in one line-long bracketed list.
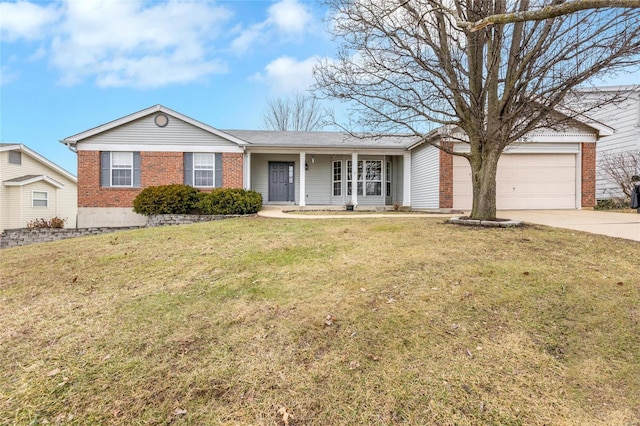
[(303, 179), (247, 170), (406, 179), (354, 178)]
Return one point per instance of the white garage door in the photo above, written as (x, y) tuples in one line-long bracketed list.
[(524, 181)]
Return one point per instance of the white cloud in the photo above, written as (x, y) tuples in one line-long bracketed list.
[(25, 20), (286, 75), (285, 19), (247, 38), (7, 75), (124, 43), (290, 16)]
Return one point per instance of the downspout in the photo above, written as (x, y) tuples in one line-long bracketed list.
[(68, 144)]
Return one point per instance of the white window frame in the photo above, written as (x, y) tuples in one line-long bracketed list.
[(362, 178), (336, 181), (34, 199), (122, 166), (200, 167)]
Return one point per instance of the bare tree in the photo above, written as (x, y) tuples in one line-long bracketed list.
[(407, 66), (299, 112), (619, 167)]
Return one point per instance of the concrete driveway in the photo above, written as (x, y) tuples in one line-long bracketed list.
[(620, 225)]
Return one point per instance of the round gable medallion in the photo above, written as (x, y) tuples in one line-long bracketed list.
[(161, 120)]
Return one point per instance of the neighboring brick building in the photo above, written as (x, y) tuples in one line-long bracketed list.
[(158, 146)]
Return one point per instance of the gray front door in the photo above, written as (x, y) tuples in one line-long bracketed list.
[(281, 186)]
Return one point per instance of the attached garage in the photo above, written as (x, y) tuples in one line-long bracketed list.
[(524, 181)]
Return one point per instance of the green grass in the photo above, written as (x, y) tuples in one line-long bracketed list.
[(227, 323)]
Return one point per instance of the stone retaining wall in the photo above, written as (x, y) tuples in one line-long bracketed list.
[(183, 219), (23, 237)]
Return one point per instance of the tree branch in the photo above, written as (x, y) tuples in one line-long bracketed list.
[(546, 12)]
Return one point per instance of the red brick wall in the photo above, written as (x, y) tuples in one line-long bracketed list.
[(446, 177), (588, 174), (161, 168), (232, 171), (156, 168)]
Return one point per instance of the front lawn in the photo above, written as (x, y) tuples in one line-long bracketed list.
[(329, 322)]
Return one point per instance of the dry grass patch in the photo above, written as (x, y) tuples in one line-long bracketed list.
[(374, 321)]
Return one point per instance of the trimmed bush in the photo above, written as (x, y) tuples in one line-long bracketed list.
[(231, 201), (166, 199), (613, 204)]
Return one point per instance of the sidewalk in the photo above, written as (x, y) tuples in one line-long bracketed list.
[(618, 225)]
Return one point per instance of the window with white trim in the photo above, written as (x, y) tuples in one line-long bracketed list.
[(373, 177), (39, 199), (203, 170), (122, 169), (369, 177), (337, 178)]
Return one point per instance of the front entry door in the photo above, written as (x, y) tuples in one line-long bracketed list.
[(281, 186)]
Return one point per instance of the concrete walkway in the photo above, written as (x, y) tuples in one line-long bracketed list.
[(277, 212), (619, 225)]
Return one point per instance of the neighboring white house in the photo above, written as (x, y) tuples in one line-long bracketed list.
[(33, 187), (624, 117)]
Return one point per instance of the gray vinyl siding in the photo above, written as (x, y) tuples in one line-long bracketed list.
[(319, 180), (425, 177), (144, 131), (625, 119)]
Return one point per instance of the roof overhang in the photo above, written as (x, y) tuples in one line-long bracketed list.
[(27, 180), (72, 141), (31, 153)]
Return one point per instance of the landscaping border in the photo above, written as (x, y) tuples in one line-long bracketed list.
[(506, 223), (24, 236)]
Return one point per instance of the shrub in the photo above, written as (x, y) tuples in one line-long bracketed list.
[(54, 222), (231, 201), (612, 204), (166, 199)]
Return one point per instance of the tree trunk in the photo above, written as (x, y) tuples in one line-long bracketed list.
[(483, 177)]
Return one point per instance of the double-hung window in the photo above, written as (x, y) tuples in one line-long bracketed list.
[(369, 177), (203, 170), (373, 177), (337, 178), (39, 199), (122, 169)]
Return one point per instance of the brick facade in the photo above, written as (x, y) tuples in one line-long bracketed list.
[(156, 168), (588, 174), (232, 171), (446, 177)]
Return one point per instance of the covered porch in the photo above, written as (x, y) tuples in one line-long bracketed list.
[(318, 177)]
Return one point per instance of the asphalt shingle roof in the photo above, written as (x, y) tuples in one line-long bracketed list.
[(319, 139)]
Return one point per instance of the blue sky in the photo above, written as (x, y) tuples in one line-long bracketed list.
[(70, 65)]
